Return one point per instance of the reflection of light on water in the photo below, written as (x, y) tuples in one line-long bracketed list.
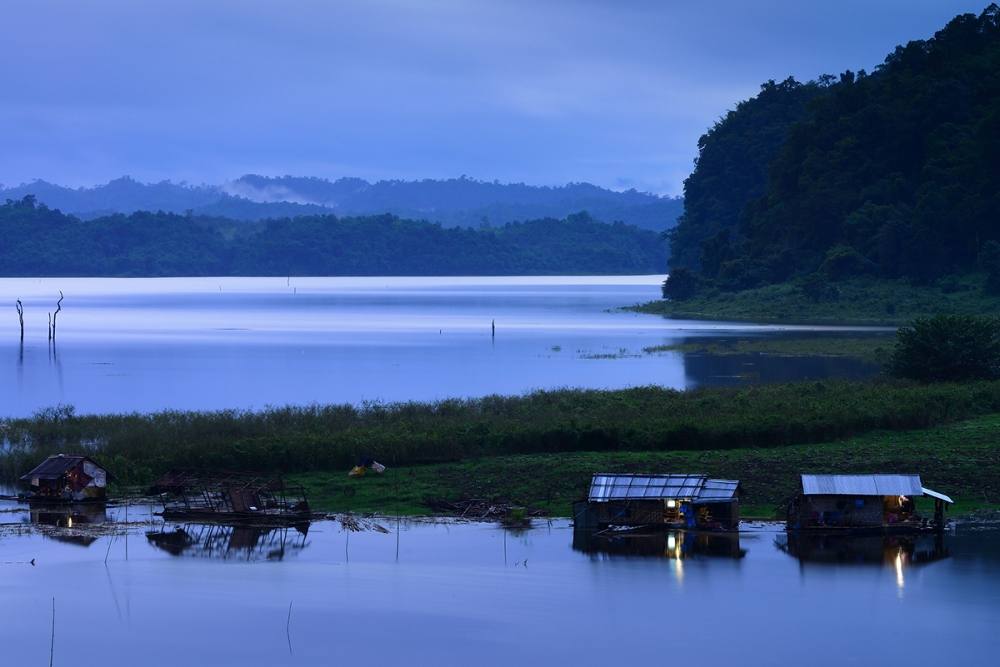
[(69, 522), (671, 542), (900, 581), (679, 570)]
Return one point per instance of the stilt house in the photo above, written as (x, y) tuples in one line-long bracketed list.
[(680, 501), (864, 502), (67, 478)]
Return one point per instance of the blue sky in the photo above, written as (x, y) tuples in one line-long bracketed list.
[(545, 91)]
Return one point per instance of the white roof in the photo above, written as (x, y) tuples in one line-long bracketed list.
[(935, 494), (697, 488), (862, 485)]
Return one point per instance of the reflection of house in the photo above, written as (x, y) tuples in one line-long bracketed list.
[(871, 502), (67, 478), (74, 524), (246, 543), (673, 544), (888, 550), (682, 501)]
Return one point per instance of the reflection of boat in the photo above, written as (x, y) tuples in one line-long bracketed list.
[(231, 542), (838, 548), (676, 544), (74, 523)]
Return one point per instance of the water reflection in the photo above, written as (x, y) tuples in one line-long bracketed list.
[(79, 524), (227, 542), (673, 544), (895, 551)]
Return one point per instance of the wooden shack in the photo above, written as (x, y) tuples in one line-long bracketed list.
[(231, 496), (67, 478), (671, 500), (873, 502)]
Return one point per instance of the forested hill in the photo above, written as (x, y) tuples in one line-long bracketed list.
[(38, 241), (893, 174), (453, 202)]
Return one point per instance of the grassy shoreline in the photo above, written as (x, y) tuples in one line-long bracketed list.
[(855, 302), (960, 459), (540, 449), (873, 348)]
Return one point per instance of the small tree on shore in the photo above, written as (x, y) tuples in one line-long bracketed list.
[(681, 284), (948, 348)]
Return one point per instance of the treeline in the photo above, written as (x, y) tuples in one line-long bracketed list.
[(893, 174), (454, 202), (38, 241), (139, 447)]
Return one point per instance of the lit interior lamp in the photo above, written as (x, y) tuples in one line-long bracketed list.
[(671, 504)]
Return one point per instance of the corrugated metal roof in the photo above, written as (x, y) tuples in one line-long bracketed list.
[(718, 490), (935, 494), (56, 466), (634, 487), (861, 485), (605, 486)]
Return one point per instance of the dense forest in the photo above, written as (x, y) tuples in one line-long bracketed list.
[(892, 174), (38, 241), (456, 202)]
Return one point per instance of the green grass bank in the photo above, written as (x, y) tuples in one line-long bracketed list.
[(960, 459), (859, 301), (536, 434)]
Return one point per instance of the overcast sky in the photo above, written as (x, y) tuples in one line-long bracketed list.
[(542, 91)]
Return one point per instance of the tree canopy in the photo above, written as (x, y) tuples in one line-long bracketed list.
[(39, 241), (893, 174)]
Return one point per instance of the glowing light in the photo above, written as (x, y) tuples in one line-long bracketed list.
[(69, 522), (900, 581), (671, 542), (671, 504)]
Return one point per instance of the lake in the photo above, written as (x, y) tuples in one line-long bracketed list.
[(141, 344), (451, 593)]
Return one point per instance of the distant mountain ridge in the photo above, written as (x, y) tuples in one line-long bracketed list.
[(456, 202)]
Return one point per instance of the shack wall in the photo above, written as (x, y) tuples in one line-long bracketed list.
[(845, 511)]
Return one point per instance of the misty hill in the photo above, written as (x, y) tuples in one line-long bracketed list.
[(893, 174), (39, 241), (454, 202)]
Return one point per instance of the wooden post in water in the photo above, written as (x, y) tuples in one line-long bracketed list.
[(52, 642), (55, 314), (20, 317), (493, 329)]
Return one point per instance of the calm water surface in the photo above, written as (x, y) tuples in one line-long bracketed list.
[(460, 594), (208, 343)]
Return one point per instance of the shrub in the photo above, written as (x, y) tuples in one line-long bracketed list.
[(681, 284), (948, 348)]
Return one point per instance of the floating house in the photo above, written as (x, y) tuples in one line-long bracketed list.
[(864, 502), (231, 497), (677, 501), (67, 478)]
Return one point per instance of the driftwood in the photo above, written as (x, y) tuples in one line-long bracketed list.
[(52, 333), (357, 524), (478, 509)]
